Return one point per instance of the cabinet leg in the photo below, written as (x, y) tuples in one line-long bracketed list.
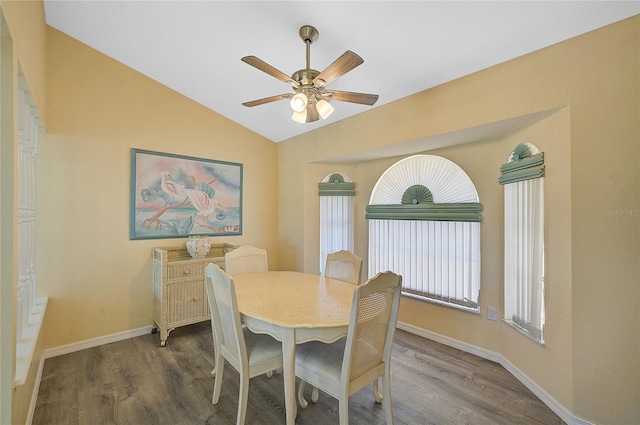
[(164, 335)]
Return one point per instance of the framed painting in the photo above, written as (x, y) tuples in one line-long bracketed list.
[(174, 196)]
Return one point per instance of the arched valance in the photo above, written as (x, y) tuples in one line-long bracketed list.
[(424, 187), (336, 184), (526, 162)]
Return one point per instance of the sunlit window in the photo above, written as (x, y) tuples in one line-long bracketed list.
[(424, 224)]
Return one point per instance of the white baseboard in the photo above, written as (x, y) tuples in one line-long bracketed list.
[(34, 395), (579, 421), (547, 399), (95, 342)]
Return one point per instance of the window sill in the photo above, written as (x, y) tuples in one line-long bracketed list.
[(512, 324), (442, 303), (26, 346)]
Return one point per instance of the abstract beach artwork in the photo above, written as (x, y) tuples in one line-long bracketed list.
[(174, 196)]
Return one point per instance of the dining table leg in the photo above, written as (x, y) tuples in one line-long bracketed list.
[(289, 373)]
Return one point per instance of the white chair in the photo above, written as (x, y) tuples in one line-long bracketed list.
[(346, 266), (348, 365), (250, 354), (245, 259)]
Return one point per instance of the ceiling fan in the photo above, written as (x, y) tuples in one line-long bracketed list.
[(310, 98)]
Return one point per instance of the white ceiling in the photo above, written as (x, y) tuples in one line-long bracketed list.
[(194, 47)]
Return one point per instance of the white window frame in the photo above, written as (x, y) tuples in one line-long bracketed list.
[(30, 308)]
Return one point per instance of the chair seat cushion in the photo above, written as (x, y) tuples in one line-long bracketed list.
[(323, 360), (260, 347)]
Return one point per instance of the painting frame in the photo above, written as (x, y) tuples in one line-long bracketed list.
[(176, 196)]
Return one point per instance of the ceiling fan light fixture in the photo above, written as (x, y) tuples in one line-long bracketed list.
[(299, 102), (310, 100), (324, 108), (300, 117)]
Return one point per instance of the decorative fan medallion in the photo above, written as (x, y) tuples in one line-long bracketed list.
[(336, 178), (310, 98), (417, 194)]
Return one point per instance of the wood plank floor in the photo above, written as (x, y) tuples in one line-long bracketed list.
[(136, 381)]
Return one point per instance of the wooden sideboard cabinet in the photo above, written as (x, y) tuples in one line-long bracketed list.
[(179, 291)]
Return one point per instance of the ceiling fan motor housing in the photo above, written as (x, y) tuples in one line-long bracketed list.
[(305, 76), (308, 34)]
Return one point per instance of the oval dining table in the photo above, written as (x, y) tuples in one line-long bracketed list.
[(294, 307)]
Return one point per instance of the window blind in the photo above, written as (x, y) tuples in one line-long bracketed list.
[(337, 222), (524, 255), (522, 177), (438, 260), (424, 224)]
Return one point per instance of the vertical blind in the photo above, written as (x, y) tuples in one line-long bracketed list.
[(336, 225), (524, 255), (337, 222), (438, 260), (523, 180), (424, 224)]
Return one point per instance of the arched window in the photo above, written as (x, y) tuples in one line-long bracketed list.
[(424, 223), (523, 180), (336, 193)]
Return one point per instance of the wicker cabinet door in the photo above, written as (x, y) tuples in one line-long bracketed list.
[(185, 301)]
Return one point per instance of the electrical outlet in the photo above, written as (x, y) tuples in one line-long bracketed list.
[(492, 313)]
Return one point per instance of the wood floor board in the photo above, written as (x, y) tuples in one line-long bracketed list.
[(136, 381)]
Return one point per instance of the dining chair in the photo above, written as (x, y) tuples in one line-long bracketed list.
[(249, 353), (245, 259), (346, 266), (349, 364)]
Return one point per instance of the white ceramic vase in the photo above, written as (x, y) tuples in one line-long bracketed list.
[(198, 246)]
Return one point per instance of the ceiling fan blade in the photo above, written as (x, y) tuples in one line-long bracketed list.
[(347, 96), (312, 113), (265, 67), (267, 100), (339, 67)]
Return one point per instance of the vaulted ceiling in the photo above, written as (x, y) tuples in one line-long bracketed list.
[(194, 47)]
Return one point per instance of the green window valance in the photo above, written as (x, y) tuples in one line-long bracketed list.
[(337, 189), (467, 211), (523, 166), (417, 204), (336, 186)]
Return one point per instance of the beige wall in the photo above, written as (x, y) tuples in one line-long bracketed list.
[(591, 361), (99, 281)]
